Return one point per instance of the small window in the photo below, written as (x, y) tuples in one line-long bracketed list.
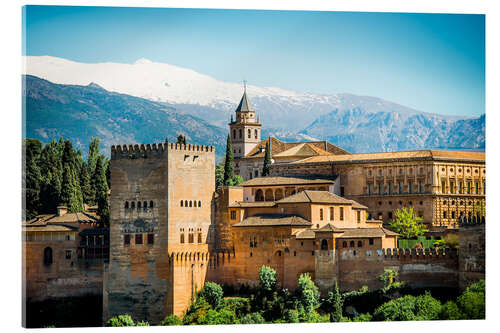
[(324, 244), (358, 216), (344, 244), (194, 203), (68, 254), (151, 239), (256, 134), (138, 239), (190, 203), (360, 244), (199, 203), (182, 203), (126, 240), (182, 238), (321, 214), (185, 203), (132, 205), (301, 243), (139, 205), (312, 252), (444, 215), (199, 237), (151, 204), (145, 205), (341, 213), (370, 241), (126, 204), (331, 213), (249, 133), (351, 244), (47, 256), (294, 253), (233, 215)]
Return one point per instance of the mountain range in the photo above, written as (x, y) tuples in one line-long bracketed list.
[(123, 103)]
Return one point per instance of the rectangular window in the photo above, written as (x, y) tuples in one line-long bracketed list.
[(138, 239), (68, 254), (460, 187), (444, 215), (358, 215), (468, 187), (379, 188), (321, 214), (151, 239), (233, 215), (421, 187), (400, 185), (410, 187), (341, 213), (370, 188), (371, 241), (484, 187), (331, 213), (256, 173), (443, 186), (341, 191), (191, 238), (390, 187), (476, 188), (126, 240), (452, 187), (389, 214)]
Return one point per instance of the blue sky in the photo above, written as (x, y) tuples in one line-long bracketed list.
[(431, 62)]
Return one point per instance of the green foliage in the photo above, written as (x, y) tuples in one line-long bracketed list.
[(450, 311), (409, 307), (142, 323), (407, 224), (252, 318), (221, 317), (228, 163), (196, 310), (212, 293), (449, 241), (312, 317), (219, 175), (181, 139), (362, 317), (171, 320), (292, 316), (120, 321), (267, 279), (307, 291), (101, 190), (267, 160), (240, 305), (473, 302), (32, 177), (334, 304), (388, 278), (237, 180)]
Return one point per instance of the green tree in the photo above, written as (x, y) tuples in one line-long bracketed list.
[(407, 224), (69, 191), (120, 321), (423, 307), (51, 176), (171, 320), (267, 279), (32, 177), (472, 301), (252, 318), (228, 163), (93, 154), (450, 311), (267, 160), (308, 292), (101, 188), (219, 175), (335, 304), (212, 293), (362, 317), (181, 139), (221, 317), (85, 184)]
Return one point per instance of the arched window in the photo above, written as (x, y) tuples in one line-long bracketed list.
[(190, 203), (139, 205), (249, 133), (182, 203), (191, 236), (151, 204), (145, 205), (182, 238), (132, 205), (360, 244), (194, 203), (126, 204), (259, 195), (278, 195), (185, 203), (269, 195), (256, 134), (199, 203), (234, 134), (344, 244), (240, 134), (199, 236), (47, 256), (324, 244), (351, 244)]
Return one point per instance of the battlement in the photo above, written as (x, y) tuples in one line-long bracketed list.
[(397, 254), (155, 150)]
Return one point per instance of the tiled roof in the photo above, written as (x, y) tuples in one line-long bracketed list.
[(315, 197), (278, 146), (329, 228), (68, 218), (273, 220), (429, 154), (243, 204), (357, 205), (264, 181), (366, 232), (244, 105), (304, 234), (48, 228), (305, 149)]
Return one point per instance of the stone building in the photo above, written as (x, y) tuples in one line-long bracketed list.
[(161, 213)]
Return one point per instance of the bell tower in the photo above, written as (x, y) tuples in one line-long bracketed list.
[(245, 129)]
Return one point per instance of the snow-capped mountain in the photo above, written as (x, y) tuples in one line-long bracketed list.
[(356, 123)]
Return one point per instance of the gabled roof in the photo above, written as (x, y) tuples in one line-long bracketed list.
[(262, 220), (366, 232), (329, 228), (304, 234), (303, 149), (244, 105), (278, 146), (357, 205), (243, 204), (315, 197), (68, 218), (279, 180)]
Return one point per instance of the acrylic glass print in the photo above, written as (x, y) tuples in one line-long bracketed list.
[(189, 166)]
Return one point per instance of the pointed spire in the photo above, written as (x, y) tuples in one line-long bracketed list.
[(244, 105)]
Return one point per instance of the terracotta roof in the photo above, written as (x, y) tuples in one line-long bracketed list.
[(269, 181), (68, 218), (243, 204), (48, 228), (366, 232), (278, 146), (357, 205), (304, 234), (421, 154), (315, 197), (329, 228), (273, 220), (305, 149)]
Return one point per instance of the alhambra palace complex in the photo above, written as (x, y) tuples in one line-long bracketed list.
[(322, 211)]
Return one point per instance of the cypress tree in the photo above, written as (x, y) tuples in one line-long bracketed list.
[(336, 299), (228, 164), (93, 154), (85, 184), (101, 191), (267, 160), (32, 177), (69, 191), (51, 176), (181, 139)]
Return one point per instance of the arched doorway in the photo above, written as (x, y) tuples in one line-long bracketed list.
[(269, 195), (259, 195)]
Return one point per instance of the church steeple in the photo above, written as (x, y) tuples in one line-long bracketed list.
[(245, 129)]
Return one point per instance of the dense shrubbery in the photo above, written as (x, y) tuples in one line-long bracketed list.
[(409, 307), (124, 320)]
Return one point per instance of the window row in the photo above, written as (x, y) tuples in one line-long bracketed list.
[(190, 203), (360, 243), (191, 235), (332, 214), (389, 215), (400, 188), (139, 205), (249, 133), (410, 203), (461, 188), (139, 239), (400, 171)]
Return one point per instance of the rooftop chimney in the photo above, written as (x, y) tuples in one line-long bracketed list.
[(61, 210)]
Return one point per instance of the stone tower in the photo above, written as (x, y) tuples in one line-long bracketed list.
[(161, 199), (245, 130)]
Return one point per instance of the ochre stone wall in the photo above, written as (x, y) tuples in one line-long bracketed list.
[(472, 260)]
